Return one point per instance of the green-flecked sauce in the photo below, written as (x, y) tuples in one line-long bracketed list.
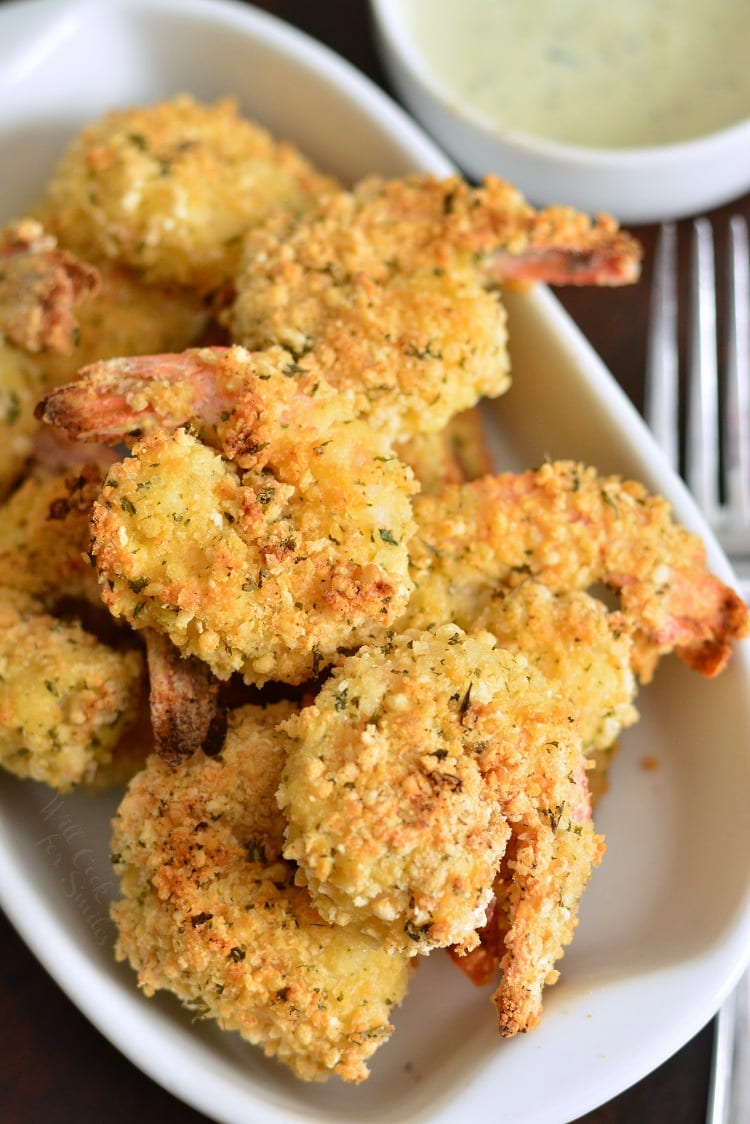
[(615, 75)]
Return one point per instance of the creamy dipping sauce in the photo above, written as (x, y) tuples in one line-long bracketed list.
[(603, 75)]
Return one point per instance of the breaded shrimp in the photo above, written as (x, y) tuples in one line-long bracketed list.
[(534, 911), (509, 239), (45, 534), (388, 285), (207, 388), (390, 816), (170, 189), (40, 285), (210, 911), (267, 562), (414, 766), (583, 650), (456, 454), (569, 528), (65, 698)]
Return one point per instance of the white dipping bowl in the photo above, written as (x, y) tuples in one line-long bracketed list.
[(638, 185)]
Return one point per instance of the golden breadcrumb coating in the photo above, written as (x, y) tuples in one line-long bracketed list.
[(456, 454), (211, 913), (169, 189), (581, 648), (534, 910), (65, 698), (269, 563), (397, 314), (45, 533), (127, 317), (507, 238), (545, 872), (390, 817), (408, 765), (388, 285), (585, 655), (129, 752), (570, 528)]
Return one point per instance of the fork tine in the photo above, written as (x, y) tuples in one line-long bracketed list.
[(738, 375), (662, 386), (702, 452)]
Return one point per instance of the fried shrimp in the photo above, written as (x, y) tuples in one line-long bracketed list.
[(402, 322), (390, 818), (534, 911), (265, 560), (388, 285), (65, 698), (508, 238), (170, 189), (210, 911), (413, 768), (569, 528), (583, 651), (40, 285)]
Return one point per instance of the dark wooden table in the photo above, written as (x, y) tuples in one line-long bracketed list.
[(55, 1067)]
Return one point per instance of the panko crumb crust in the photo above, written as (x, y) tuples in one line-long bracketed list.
[(583, 650), (390, 816), (272, 562), (65, 698), (380, 286), (169, 189), (210, 910), (568, 527)]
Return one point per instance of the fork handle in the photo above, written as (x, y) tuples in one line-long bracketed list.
[(729, 1094)]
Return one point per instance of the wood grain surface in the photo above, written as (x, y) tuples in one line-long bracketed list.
[(56, 1069)]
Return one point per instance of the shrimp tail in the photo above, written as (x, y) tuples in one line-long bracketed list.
[(557, 245), (127, 397), (614, 263), (709, 654), (186, 714)]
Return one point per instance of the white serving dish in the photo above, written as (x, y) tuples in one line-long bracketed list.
[(665, 927), (638, 185)]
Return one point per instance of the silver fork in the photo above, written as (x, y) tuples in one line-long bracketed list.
[(716, 456), (716, 466)]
